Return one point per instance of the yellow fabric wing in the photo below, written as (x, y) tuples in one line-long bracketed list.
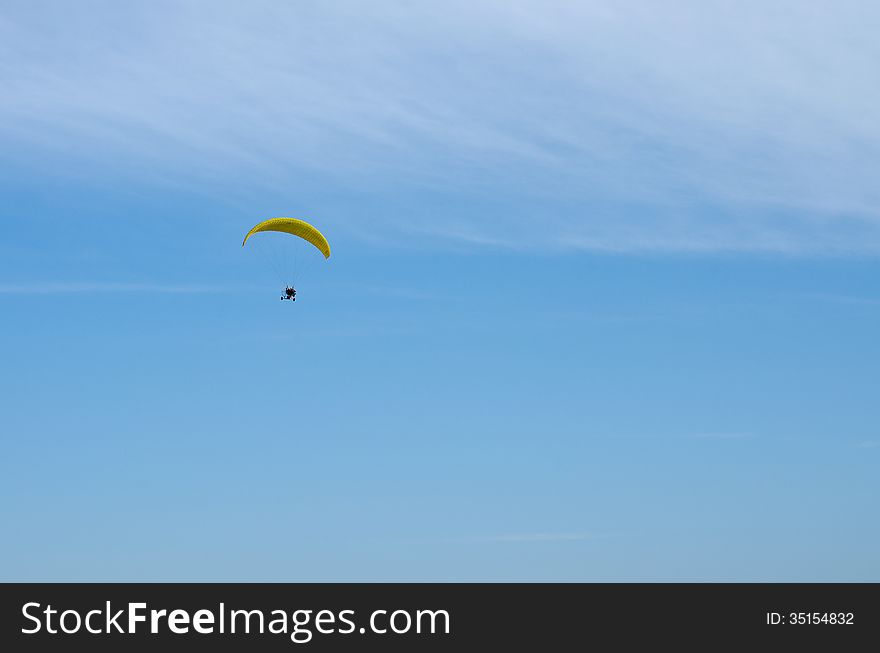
[(295, 227)]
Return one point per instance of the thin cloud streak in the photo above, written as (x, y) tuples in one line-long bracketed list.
[(102, 287), (535, 537), (845, 299), (723, 436)]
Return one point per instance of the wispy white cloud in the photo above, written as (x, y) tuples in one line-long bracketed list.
[(692, 126), (846, 299), (536, 537), (103, 287), (399, 292), (869, 444), (724, 435)]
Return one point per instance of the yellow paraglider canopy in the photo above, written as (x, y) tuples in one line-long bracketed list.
[(295, 227)]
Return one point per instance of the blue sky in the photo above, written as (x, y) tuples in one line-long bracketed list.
[(602, 303)]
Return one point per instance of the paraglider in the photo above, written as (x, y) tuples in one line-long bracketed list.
[(305, 234)]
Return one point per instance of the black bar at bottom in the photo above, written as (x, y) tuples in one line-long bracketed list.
[(428, 617)]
